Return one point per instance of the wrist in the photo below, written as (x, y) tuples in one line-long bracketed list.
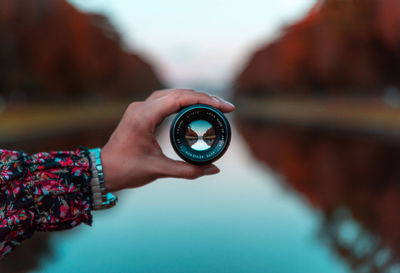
[(101, 196), (110, 170)]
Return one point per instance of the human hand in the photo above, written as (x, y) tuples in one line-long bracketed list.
[(132, 156)]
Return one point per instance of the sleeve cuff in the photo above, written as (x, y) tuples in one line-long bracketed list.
[(59, 183)]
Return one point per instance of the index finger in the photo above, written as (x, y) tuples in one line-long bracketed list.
[(174, 101), (163, 92)]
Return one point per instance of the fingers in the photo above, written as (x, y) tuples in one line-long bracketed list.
[(222, 104), (181, 169), (161, 93), (227, 106), (174, 100)]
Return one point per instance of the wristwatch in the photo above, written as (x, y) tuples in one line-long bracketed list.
[(101, 198)]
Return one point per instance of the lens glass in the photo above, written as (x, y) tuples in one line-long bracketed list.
[(200, 135)]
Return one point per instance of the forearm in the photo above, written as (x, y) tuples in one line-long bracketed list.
[(44, 191)]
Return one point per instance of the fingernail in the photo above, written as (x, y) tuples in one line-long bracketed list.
[(211, 170), (230, 103), (227, 102)]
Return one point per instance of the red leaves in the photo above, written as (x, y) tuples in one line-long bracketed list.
[(342, 46)]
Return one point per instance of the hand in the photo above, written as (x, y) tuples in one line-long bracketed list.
[(132, 156)]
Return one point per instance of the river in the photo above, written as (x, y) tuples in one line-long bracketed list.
[(248, 218)]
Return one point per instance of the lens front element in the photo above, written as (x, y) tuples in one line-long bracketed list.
[(200, 134)]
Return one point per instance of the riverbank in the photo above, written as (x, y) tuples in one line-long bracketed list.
[(59, 126), (364, 115)]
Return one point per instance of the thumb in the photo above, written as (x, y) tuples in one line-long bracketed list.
[(181, 169)]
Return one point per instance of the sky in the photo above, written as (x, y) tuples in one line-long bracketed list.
[(197, 44)]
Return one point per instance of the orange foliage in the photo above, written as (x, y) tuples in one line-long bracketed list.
[(49, 49), (338, 46)]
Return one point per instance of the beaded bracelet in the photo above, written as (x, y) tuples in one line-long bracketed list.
[(101, 198)]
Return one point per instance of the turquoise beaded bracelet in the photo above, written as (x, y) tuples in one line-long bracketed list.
[(101, 198)]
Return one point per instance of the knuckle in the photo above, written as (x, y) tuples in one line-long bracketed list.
[(181, 91), (153, 94), (208, 96), (133, 106), (157, 92), (176, 92), (133, 113), (175, 96)]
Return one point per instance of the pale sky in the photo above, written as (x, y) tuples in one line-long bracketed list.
[(197, 44)]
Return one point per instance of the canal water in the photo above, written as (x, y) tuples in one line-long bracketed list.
[(248, 218)]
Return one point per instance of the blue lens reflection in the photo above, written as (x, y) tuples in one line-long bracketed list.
[(200, 135)]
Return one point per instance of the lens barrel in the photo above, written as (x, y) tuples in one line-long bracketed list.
[(200, 134)]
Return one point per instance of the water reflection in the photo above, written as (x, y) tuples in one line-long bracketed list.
[(200, 135), (32, 252), (353, 179), (238, 221)]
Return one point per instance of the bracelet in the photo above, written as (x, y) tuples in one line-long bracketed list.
[(101, 198)]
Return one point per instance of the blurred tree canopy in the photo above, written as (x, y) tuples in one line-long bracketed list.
[(49, 50), (339, 46)]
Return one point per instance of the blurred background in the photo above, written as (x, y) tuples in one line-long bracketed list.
[(311, 181)]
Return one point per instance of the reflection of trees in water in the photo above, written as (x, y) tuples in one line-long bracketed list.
[(191, 136), (363, 250), (209, 136), (353, 179), (28, 256)]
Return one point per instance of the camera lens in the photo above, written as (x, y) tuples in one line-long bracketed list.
[(200, 134)]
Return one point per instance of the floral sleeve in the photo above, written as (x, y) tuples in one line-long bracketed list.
[(43, 191)]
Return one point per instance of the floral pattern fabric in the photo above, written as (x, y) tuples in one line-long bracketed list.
[(44, 191)]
